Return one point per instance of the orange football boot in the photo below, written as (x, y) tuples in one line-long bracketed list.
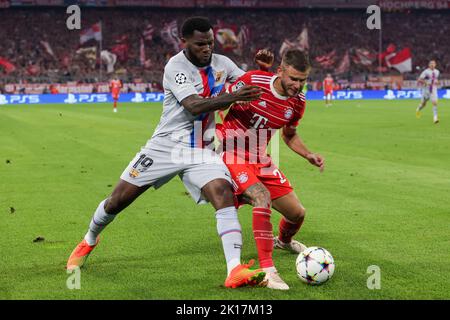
[(242, 275), (80, 254)]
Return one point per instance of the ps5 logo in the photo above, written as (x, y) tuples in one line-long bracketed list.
[(147, 97), (19, 99), (72, 98), (402, 94), (349, 95)]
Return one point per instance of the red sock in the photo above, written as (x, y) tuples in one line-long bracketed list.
[(288, 229), (115, 104), (262, 231)]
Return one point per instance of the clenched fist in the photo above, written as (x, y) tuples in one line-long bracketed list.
[(264, 58)]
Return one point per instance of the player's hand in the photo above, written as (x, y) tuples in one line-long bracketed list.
[(316, 160), (247, 93), (264, 59)]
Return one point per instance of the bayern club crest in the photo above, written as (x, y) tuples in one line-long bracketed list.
[(288, 113), (243, 177)]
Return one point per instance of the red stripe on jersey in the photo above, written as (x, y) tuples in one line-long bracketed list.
[(206, 89), (267, 113)]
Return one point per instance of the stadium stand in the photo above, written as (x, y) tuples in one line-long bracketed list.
[(24, 33)]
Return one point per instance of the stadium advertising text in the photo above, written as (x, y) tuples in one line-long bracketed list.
[(72, 98)]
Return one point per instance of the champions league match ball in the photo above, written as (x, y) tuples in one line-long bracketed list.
[(315, 265)]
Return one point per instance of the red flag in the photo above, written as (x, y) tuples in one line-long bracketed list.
[(363, 57), (94, 32), (344, 66), (7, 65), (327, 60), (402, 61), (390, 51)]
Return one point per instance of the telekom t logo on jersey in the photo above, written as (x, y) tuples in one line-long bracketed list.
[(258, 121)]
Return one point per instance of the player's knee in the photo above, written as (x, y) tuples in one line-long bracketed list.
[(112, 205), (222, 191), (299, 215)]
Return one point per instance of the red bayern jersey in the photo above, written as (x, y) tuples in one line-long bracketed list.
[(259, 119), (328, 84), (115, 85)]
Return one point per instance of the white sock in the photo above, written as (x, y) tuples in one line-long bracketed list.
[(270, 270), (229, 230), (99, 221), (435, 111)]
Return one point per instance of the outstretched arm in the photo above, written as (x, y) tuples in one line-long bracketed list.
[(198, 105), (295, 143)]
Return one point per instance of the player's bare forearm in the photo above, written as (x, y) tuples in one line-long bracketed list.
[(294, 142), (198, 105)]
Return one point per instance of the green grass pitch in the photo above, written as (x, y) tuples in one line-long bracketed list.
[(384, 200)]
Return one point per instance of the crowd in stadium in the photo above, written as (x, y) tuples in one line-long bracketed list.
[(23, 34)]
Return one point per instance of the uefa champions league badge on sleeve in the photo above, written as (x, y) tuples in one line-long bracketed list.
[(180, 78)]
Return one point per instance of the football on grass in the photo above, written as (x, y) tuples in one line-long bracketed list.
[(315, 265)]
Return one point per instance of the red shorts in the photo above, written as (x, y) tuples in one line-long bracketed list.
[(115, 95), (244, 175), (327, 92)]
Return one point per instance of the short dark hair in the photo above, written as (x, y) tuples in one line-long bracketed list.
[(191, 24), (297, 59)]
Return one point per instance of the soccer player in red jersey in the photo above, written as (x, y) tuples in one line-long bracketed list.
[(328, 84), (115, 85), (244, 135)]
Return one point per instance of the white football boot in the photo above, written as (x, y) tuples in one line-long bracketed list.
[(272, 280), (435, 119), (294, 246)]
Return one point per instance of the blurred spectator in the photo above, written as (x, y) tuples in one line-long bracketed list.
[(23, 33)]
